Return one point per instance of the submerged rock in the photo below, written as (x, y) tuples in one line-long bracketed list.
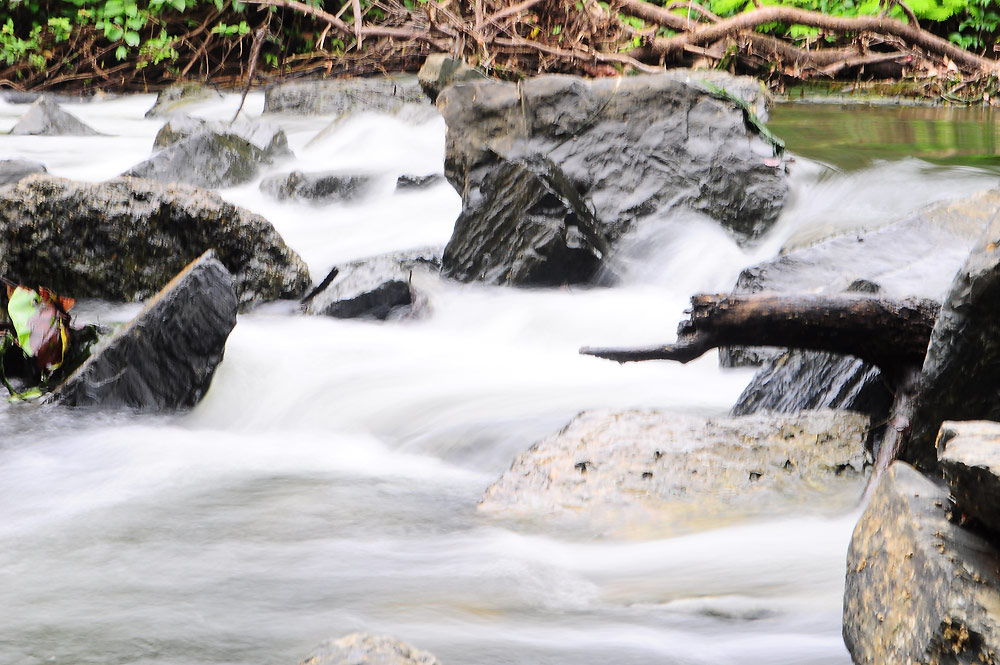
[(46, 118), (13, 170), (440, 70), (529, 226), (635, 147), (206, 160), (655, 473), (327, 187), (379, 287), (176, 98), (411, 182), (959, 380), (919, 588), (123, 239), (341, 96), (165, 358), (261, 134), (367, 649), (970, 462)]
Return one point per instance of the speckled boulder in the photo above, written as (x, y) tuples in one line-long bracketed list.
[(208, 159), (658, 473), (164, 359), (920, 588), (263, 135), (366, 649), (124, 239), (970, 462)]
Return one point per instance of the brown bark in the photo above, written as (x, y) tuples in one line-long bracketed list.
[(892, 334)]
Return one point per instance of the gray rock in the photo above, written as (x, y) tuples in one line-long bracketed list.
[(263, 135), (440, 70), (656, 473), (340, 96), (165, 358), (379, 287), (46, 118), (919, 588), (179, 97), (13, 170), (799, 380), (970, 462), (206, 160), (529, 226), (636, 146), (412, 182), (367, 649), (959, 380), (325, 187), (124, 239)]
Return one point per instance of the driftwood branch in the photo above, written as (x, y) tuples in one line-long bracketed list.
[(892, 334)]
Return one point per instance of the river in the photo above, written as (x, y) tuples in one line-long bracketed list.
[(328, 482)]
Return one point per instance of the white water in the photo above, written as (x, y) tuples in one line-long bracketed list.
[(328, 481)]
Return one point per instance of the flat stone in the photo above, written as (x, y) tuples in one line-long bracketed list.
[(341, 96), (653, 473), (919, 588), (970, 462), (123, 239), (326, 187), (367, 649), (46, 118), (413, 182), (165, 358)]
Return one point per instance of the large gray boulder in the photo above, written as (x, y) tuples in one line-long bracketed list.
[(207, 160), (341, 96), (528, 226), (263, 135), (970, 462), (46, 118), (379, 287), (634, 148), (164, 359), (13, 170), (959, 378), (655, 473), (367, 649), (124, 239), (920, 588)]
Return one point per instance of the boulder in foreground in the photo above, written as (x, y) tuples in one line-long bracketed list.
[(656, 473), (920, 588), (123, 239), (367, 649), (165, 358)]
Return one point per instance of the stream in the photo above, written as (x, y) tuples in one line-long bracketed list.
[(328, 482)]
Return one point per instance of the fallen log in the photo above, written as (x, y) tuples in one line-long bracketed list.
[(892, 334)]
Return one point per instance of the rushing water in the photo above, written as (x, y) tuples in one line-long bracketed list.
[(328, 482)]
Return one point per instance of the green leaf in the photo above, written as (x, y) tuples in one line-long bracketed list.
[(21, 307), (121, 52), (113, 33), (132, 38)]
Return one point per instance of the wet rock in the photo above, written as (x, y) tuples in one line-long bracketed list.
[(636, 147), (124, 239), (528, 226), (341, 96), (325, 187), (920, 588), (179, 97), (379, 288), (46, 118), (440, 70), (654, 472), (799, 380), (959, 380), (261, 134), (206, 160), (970, 462), (412, 182), (13, 170), (165, 358), (367, 649)]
